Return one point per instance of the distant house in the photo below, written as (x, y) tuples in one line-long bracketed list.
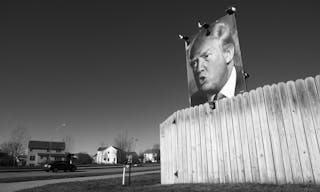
[(110, 155), (43, 151), (149, 156)]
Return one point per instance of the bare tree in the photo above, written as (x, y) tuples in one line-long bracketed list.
[(124, 142), (18, 142)]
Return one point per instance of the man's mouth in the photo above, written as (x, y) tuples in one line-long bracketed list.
[(202, 79)]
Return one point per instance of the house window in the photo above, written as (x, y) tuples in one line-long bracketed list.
[(32, 158), (58, 150), (108, 159), (30, 150)]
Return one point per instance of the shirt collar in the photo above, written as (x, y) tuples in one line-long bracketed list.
[(229, 88)]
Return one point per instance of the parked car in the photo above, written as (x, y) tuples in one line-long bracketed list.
[(59, 165)]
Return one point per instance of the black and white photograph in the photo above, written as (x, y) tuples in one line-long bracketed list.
[(210, 95)]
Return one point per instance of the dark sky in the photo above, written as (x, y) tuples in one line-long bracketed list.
[(91, 69)]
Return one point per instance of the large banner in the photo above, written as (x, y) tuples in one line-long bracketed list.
[(214, 64)]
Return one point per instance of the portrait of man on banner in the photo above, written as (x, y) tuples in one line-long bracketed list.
[(214, 64)]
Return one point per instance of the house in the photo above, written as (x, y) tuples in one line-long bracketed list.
[(149, 156), (40, 152), (110, 155)]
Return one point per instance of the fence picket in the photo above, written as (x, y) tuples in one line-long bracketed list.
[(209, 146), (237, 139), (219, 129), (290, 135), (231, 142), (258, 137), (309, 129), (188, 145), (282, 134), (193, 147), (244, 140), (266, 136), (215, 148)]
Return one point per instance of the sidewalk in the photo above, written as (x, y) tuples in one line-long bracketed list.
[(11, 187)]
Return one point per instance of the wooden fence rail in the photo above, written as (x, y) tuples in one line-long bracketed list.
[(268, 135)]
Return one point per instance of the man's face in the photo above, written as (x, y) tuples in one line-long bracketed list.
[(209, 65)]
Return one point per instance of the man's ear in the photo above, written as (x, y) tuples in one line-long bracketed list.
[(228, 52)]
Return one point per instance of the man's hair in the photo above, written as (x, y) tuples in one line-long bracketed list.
[(222, 32)]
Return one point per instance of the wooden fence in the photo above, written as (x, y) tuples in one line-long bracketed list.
[(268, 135)]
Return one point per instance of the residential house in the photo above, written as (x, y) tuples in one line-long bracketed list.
[(149, 156), (110, 155), (40, 152)]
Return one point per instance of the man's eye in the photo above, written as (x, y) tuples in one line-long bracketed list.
[(193, 64), (206, 55)]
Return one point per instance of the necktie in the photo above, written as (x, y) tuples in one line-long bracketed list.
[(219, 96)]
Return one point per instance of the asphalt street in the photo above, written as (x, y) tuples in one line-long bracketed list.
[(6, 177), (11, 187)]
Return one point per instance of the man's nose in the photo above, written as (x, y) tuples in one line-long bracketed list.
[(201, 65)]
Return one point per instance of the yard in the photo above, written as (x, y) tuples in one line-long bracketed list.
[(151, 182)]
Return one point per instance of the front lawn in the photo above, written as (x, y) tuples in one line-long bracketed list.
[(151, 182)]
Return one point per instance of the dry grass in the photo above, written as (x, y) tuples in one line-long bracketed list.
[(151, 182)]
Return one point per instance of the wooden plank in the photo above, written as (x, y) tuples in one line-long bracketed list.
[(300, 134), (244, 140), (317, 81), (314, 99), (237, 139), (231, 143), (179, 148), (188, 145), (258, 137), (303, 100), (162, 153), (274, 135), (214, 139), (193, 147), (174, 146), (290, 134), (168, 149), (225, 142), (204, 169), (282, 134), (183, 147), (221, 157), (208, 147), (198, 146), (251, 139), (266, 136)]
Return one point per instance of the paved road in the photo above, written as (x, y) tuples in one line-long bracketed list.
[(34, 175), (11, 187)]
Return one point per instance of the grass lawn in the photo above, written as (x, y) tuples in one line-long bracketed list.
[(151, 182)]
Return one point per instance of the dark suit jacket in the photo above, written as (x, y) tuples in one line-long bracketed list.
[(200, 98)]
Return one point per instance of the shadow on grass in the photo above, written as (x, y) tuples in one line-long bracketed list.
[(151, 182)]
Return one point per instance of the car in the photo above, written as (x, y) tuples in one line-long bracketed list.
[(60, 165)]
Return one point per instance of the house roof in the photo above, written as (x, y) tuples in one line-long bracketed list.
[(101, 148), (47, 145), (104, 148)]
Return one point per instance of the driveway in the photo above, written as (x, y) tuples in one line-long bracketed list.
[(10, 187)]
